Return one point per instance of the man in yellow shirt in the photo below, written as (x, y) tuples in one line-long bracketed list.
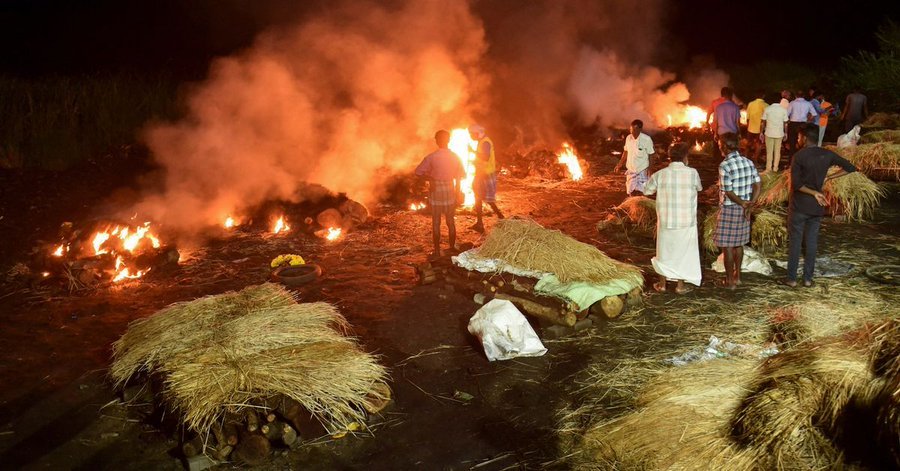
[(484, 184), (754, 121)]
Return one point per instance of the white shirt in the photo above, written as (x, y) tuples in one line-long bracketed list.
[(639, 151), (775, 116)]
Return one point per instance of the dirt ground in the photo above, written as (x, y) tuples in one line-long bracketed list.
[(57, 409)]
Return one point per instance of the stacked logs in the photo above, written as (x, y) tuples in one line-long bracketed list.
[(520, 291), (346, 216), (251, 435)]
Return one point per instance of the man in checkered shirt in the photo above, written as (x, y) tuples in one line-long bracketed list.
[(739, 185), (677, 248), (444, 171)]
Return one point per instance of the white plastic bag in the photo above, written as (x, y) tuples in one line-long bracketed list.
[(504, 332), (753, 262), (849, 139)]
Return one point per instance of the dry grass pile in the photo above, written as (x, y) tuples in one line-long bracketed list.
[(708, 230), (769, 233), (879, 159), (854, 195), (816, 318), (888, 135), (640, 210), (882, 120), (223, 353), (775, 188), (526, 244)]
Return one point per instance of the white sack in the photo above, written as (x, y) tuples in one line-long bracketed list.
[(504, 332)]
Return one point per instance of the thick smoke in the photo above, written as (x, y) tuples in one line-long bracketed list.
[(354, 94), (342, 100)]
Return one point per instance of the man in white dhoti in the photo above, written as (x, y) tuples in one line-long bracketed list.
[(677, 250)]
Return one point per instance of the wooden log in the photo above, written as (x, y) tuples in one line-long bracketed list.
[(554, 315), (253, 449), (217, 432), (223, 451), (288, 435), (609, 307), (378, 398), (303, 422), (272, 430), (231, 433), (252, 420), (192, 447), (633, 298), (270, 417)]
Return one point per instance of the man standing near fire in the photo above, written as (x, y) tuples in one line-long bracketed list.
[(636, 158), (739, 185), (444, 171), (484, 184)]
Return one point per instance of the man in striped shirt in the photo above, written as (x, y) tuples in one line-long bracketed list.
[(444, 171), (739, 185), (677, 249)]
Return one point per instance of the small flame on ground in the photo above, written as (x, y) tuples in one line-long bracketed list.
[(229, 222), (333, 233), (58, 252), (567, 156), (45, 274), (416, 206), (281, 226), (124, 273), (690, 116), (697, 146), (743, 116)]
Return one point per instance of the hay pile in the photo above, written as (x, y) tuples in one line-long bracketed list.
[(874, 159), (882, 120), (775, 188), (640, 210), (526, 244), (814, 319), (769, 233), (224, 353), (708, 230), (888, 135), (854, 195)]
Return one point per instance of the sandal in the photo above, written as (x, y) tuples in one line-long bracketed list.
[(684, 290), (660, 288)]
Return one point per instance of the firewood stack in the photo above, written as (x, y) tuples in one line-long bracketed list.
[(520, 291)]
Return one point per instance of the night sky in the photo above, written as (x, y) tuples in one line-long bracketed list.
[(181, 36)]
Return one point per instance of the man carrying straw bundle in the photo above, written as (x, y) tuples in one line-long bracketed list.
[(444, 171), (809, 171), (677, 249), (739, 185)]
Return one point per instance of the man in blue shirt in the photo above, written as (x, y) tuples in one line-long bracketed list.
[(726, 116)]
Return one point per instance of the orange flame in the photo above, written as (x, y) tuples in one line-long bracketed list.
[(333, 233), (464, 147), (697, 146), (58, 252), (123, 272), (743, 117), (281, 226), (229, 222), (416, 206), (567, 156)]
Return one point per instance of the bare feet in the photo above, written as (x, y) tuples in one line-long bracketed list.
[(788, 283), (659, 287)]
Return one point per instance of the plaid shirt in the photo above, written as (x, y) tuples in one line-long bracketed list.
[(676, 188), (736, 174)]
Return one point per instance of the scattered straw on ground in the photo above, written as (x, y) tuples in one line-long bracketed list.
[(222, 353), (881, 158), (888, 135), (882, 120), (526, 244)]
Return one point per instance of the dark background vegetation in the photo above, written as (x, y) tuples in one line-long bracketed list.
[(79, 80)]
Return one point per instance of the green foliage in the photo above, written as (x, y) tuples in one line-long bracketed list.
[(57, 121), (877, 74), (772, 77)]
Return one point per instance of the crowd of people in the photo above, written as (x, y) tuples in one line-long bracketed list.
[(794, 124)]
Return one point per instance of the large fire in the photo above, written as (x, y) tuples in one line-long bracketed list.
[(416, 206), (229, 222), (567, 156), (687, 115), (464, 146), (333, 233), (281, 225)]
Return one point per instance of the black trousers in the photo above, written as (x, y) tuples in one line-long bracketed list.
[(794, 130)]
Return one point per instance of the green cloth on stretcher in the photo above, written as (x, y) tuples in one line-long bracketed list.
[(582, 293)]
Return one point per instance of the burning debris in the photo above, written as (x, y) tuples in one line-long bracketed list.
[(105, 252)]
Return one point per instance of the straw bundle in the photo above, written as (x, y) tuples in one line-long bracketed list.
[(882, 120), (888, 135), (874, 158), (855, 195), (769, 231), (641, 211), (682, 423), (796, 401), (526, 244), (227, 352), (709, 230), (814, 319), (775, 188)]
